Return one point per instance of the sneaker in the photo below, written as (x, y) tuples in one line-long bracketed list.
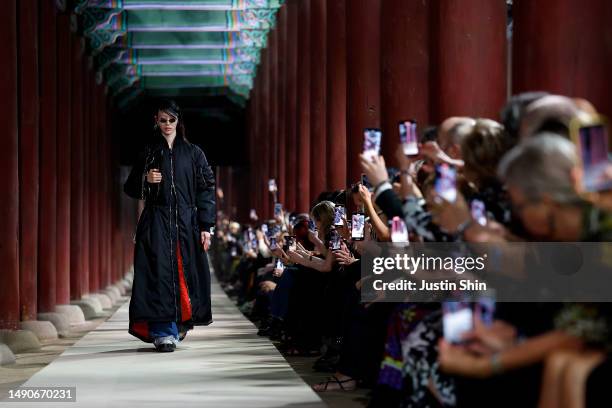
[(165, 344)]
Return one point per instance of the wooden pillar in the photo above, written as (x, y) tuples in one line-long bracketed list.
[(318, 87), (48, 160), (363, 92), (257, 139), (86, 98), (106, 166), (28, 157), (564, 47), (405, 69), (9, 167), (336, 95), (94, 181), (468, 49), (77, 182), (303, 108), (291, 118), (273, 92), (250, 126), (281, 75), (265, 137), (64, 94)]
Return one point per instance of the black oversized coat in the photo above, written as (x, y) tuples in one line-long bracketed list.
[(176, 210)]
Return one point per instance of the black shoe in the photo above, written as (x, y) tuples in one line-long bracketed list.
[(264, 329), (326, 364)]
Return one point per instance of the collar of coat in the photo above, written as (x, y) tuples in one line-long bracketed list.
[(160, 141)]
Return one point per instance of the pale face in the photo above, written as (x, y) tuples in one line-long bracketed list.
[(167, 123)]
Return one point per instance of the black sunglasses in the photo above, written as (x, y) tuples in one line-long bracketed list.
[(164, 121)]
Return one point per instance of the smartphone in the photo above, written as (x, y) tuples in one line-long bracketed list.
[(279, 264), (273, 243), (591, 139), (371, 142), (365, 182), (408, 137), (264, 229), (272, 185), (485, 309), (358, 226), (289, 243), (446, 182), (339, 213), (457, 319), (253, 215), (336, 241), (311, 225), (399, 230), (278, 209), (479, 212)]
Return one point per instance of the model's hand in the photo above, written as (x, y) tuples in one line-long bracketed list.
[(154, 176), (205, 238)]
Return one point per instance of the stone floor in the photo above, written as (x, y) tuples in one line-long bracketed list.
[(223, 365)]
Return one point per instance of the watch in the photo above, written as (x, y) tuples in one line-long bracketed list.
[(463, 227)]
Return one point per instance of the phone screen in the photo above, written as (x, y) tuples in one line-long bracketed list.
[(457, 319), (278, 208), (358, 226), (446, 180), (593, 149), (371, 142), (290, 242), (399, 231), (479, 213), (335, 241), (272, 185), (365, 182), (339, 213), (264, 229), (273, 244), (485, 309), (279, 264), (408, 137)]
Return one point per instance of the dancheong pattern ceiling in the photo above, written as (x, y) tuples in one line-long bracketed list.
[(166, 47)]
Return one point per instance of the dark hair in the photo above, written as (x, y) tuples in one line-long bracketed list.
[(430, 134), (170, 107), (512, 113)]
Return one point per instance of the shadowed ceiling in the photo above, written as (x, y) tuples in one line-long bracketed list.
[(202, 53)]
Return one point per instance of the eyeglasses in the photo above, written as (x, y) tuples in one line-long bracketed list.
[(164, 121)]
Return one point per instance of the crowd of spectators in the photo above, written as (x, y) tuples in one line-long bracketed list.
[(299, 275)]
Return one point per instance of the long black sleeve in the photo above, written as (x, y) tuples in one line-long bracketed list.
[(135, 185), (205, 194)]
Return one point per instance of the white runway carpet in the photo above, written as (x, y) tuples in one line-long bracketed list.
[(222, 365)]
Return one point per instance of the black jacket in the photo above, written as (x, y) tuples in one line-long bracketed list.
[(176, 209)]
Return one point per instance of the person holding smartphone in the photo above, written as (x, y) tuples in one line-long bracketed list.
[(378, 220), (323, 215), (171, 291)]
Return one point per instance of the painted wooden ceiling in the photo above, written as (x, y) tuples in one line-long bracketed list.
[(174, 47)]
